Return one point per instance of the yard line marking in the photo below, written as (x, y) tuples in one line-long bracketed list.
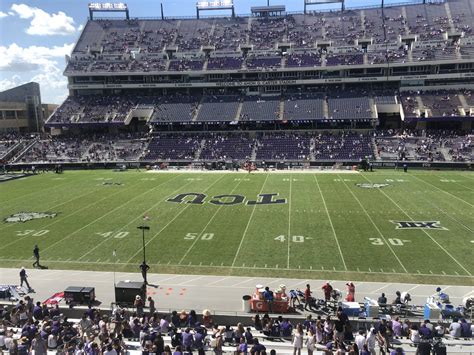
[(108, 213), (207, 225), (217, 281), (40, 190), (72, 214), (447, 214), (134, 219), (248, 224), (446, 192), (172, 220), (424, 231), (245, 281), (330, 222), (289, 224), (191, 280), (381, 288), (377, 228), (412, 288)]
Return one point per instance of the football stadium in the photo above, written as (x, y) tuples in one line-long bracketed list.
[(225, 182)]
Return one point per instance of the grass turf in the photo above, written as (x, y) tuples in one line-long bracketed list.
[(328, 228)]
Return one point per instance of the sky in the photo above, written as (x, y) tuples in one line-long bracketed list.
[(36, 35)]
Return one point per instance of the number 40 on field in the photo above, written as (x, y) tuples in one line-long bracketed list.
[(294, 238)]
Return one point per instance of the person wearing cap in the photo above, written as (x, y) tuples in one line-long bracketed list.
[(327, 289), (24, 278), (138, 304)]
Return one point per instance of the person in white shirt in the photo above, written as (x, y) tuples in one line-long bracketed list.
[(360, 339), (297, 342), (371, 339), (455, 328)]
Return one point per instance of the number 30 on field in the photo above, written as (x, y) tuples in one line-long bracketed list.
[(393, 241)]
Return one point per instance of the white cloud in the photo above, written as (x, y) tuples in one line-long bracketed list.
[(43, 23), (3, 14), (16, 58), (43, 65)]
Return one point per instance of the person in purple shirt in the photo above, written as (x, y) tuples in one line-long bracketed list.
[(242, 348), (397, 327), (286, 328), (425, 332), (199, 335), (38, 311), (187, 339), (466, 330)]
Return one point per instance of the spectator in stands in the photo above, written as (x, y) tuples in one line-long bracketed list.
[(311, 342), (257, 348), (414, 334), (455, 328), (297, 339), (371, 339)]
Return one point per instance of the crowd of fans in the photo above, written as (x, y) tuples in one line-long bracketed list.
[(29, 327), (135, 45)]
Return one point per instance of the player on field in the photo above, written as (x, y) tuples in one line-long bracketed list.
[(36, 254)]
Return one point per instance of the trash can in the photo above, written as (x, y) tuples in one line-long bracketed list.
[(246, 303)]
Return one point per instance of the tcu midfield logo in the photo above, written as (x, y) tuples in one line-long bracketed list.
[(419, 225), (226, 200)]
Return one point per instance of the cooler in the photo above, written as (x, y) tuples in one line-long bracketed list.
[(371, 308), (431, 311), (350, 309), (73, 294), (88, 294)]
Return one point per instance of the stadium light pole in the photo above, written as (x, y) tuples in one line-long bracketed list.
[(143, 228)]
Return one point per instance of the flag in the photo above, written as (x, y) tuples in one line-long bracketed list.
[(146, 218)]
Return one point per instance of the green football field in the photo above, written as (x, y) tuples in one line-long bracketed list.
[(387, 225)]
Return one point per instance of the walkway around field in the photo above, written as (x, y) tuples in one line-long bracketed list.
[(218, 293)]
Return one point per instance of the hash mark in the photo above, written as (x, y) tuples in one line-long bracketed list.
[(431, 272), (381, 269), (418, 271), (370, 270), (456, 273), (443, 272)]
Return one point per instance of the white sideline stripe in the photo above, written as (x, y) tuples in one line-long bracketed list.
[(246, 268), (446, 192), (330, 221), (191, 280), (104, 215), (377, 228), (248, 224), (289, 225), (172, 220), (207, 225), (71, 214), (134, 219), (424, 231)]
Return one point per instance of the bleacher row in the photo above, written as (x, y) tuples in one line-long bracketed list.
[(269, 146), (27, 327), (223, 108), (144, 45), (117, 109)]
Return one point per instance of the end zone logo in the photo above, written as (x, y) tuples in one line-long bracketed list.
[(28, 216), (366, 185), (419, 225)]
